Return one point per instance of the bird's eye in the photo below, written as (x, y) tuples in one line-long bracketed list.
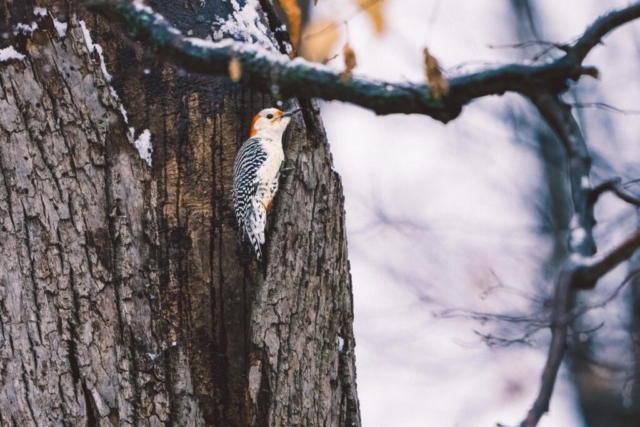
[(269, 116)]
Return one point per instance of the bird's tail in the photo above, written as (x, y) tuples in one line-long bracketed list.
[(255, 225)]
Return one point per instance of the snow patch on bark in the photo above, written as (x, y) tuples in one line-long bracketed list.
[(61, 27), (9, 53), (143, 144), (92, 47), (24, 28), (40, 11), (577, 234), (244, 24)]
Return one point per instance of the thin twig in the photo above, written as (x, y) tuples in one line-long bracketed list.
[(604, 106), (529, 43)]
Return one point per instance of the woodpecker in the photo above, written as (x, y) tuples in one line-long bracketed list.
[(256, 172)]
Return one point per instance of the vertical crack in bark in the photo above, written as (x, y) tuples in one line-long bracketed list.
[(264, 393), (27, 393), (89, 405), (215, 230), (32, 269), (73, 362), (112, 217), (8, 191)]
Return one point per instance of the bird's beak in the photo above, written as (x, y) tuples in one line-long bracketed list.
[(291, 113)]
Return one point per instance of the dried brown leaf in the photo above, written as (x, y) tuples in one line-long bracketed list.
[(318, 40), (294, 16), (373, 8), (235, 69), (349, 62), (438, 84)]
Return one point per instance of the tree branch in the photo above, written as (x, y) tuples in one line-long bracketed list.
[(588, 275), (603, 25), (578, 273), (559, 117), (266, 71), (615, 186), (563, 304)]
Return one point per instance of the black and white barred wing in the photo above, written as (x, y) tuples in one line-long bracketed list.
[(250, 212)]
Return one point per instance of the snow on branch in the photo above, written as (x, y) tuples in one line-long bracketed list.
[(273, 72), (559, 117)]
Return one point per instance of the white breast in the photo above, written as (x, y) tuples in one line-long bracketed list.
[(275, 156)]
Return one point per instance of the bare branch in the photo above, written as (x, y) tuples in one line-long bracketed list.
[(604, 106), (265, 72), (615, 186), (579, 272), (600, 28), (530, 43), (563, 304), (588, 275), (559, 117), (576, 274)]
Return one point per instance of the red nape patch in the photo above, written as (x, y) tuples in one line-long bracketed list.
[(253, 123)]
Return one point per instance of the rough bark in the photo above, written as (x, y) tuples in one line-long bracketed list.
[(126, 296)]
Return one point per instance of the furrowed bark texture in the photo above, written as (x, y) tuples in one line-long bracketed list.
[(76, 206), (126, 296)]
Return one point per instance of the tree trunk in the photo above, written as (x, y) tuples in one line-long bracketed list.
[(126, 295), (607, 382)]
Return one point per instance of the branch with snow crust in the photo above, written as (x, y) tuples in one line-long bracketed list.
[(265, 71)]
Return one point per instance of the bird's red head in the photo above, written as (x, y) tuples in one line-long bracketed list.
[(269, 115)]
